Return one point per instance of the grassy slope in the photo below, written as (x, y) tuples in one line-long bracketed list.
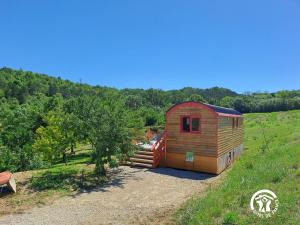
[(276, 168)]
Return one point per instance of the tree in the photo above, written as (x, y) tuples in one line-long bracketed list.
[(59, 134), (241, 104), (197, 98), (133, 101), (17, 135), (227, 102), (106, 123), (71, 128), (51, 141)]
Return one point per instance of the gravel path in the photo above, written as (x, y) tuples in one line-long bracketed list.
[(134, 196)]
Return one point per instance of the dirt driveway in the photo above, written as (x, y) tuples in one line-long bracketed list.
[(134, 196)]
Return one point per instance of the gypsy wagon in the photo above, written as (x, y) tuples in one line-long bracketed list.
[(197, 136)]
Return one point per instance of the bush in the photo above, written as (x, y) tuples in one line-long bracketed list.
[(8, 160), (229, 219)]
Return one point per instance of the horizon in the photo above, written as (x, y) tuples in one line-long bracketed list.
[(245, 47), (202, 88)]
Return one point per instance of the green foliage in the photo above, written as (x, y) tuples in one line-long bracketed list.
[(150, 116), (52, 140), (229, 219), (276, 169), (18, 126), (8, 160), (197, 98), (107, 127), (134, 102)]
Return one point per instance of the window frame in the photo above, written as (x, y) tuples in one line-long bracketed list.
[(181, 124), (191, 117)]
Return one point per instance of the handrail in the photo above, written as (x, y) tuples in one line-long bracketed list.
[(158, 149)]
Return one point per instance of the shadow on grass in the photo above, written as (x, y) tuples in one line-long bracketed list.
[(80, 182), (115, 178), (67, 179)]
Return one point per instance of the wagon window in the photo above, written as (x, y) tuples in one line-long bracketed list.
[(186, 124), (195, 124)]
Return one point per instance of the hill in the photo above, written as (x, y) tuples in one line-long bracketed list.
[(21, 85), (271, 161)]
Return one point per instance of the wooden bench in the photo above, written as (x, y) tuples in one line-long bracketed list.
[(6, 178)]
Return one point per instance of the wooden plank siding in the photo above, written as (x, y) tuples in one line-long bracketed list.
[(229, 137), (203, 143), (201, 163)]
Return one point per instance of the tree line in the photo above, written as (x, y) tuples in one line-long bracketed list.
[(43, 118)]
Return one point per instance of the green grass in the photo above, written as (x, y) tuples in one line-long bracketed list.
[(274, 166), (74, 175)]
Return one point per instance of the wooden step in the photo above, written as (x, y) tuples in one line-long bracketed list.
[(141, 156), (140, 164), (139, 160), (146, 149), (144, 152)]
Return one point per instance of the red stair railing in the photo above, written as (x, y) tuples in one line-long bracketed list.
[(159, 149)]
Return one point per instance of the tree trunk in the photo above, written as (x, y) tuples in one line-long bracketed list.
[(72, 150), (64, 159), (100, 169)]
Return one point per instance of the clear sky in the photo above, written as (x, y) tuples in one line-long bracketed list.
[(168, 44)]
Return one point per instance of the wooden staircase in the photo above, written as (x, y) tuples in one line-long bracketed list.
[(142, 158), (150, 156)]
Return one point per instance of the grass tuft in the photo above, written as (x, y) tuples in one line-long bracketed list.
[(230, 218)]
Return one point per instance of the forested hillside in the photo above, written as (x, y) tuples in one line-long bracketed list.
[(43, 118), (22, 85)]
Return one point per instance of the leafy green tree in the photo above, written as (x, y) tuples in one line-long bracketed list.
[(50, 142), (17, 135), (107, 125), (71, 128), (197, 98), (240, 104), (53, 140), (8, 159), (227, 102), (133, 101), (155, 97)]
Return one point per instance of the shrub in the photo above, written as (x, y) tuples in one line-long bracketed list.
[(230, 218)]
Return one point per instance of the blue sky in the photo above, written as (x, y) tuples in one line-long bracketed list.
[(241, 45)]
